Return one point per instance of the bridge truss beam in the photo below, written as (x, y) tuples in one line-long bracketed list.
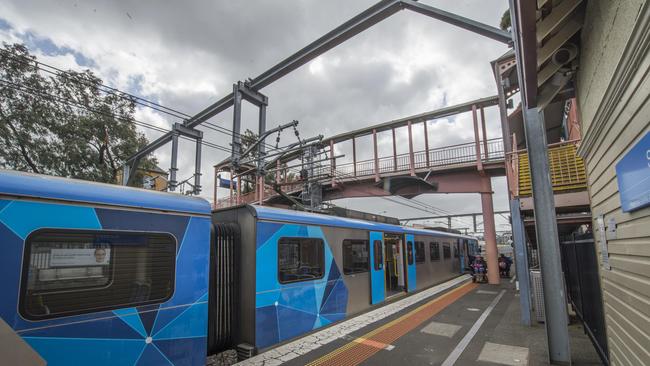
[(249, 90)]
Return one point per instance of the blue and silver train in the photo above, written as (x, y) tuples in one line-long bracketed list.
[(109, 275)]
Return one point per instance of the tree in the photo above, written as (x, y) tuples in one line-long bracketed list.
[(63, 124), (505, 20), (248, 138)]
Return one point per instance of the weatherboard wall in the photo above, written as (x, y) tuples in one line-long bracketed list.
[(613, 90)]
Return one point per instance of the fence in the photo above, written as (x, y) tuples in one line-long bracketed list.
[(580, 266), (491, 151), (442, 157)]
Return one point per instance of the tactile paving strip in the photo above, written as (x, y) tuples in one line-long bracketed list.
[(365, 346)]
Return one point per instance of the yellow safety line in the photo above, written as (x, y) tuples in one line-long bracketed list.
[(364, 337)]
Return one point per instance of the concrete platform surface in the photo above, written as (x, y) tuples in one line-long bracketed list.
[(456, 323)]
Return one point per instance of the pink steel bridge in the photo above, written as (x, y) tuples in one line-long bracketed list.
[(461, 168)]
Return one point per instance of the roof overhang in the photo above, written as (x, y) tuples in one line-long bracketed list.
[(546, 34)]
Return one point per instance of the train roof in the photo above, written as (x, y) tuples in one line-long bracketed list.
[(279, 214), (43, 186)]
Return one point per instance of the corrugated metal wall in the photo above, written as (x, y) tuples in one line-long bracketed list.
[(613, 96)]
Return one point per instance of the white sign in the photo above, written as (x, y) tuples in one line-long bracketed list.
[(602, 236), (80, 257)]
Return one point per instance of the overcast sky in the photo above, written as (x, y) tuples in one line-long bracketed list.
[(187, 54)]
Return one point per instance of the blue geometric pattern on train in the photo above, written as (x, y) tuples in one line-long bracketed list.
[(284, 311), (172, 333)]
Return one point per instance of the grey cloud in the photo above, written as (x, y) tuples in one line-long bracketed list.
[(224, 41)]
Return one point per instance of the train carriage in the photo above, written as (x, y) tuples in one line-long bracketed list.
[(108, 275), (300, 271), (98, 274)]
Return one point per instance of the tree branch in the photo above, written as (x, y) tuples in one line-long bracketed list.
[(23, 150)]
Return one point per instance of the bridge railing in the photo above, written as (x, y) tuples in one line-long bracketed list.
[(437, 158), (442, 157)]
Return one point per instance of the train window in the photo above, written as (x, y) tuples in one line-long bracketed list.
[(446, 250), (409, 252), (68, 272), (379, 255), (419, 252), (434, 251), (355, 256), (300, 259)]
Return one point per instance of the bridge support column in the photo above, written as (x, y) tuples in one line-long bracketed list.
[(521, 261), (548, 242), (489, 231)]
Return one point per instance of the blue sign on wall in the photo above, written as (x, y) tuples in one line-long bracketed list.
[(633, 175)]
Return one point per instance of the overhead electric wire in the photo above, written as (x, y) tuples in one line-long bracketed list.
[(421, 208), (113, 91), (111, 115), (440, 211), (389, 198), (120, 94)]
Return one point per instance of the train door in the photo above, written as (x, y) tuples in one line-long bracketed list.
[(461, 245), (464, 253), (376, 267), (394, 265), (410, 262)]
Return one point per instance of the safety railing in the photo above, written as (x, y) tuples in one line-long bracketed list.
[(437, 158), (566, 167), (442, 157)]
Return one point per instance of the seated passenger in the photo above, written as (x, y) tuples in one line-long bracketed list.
[(504, 265), (479, 265)]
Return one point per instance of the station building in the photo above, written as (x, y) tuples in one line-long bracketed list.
[(584, 65)]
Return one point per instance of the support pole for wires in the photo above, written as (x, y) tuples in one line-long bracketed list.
[(197, 167), (236, 127), (366, 19), (174, 163)]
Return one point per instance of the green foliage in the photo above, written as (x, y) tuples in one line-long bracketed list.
[(62, 125), (505, 20), (248, 138)]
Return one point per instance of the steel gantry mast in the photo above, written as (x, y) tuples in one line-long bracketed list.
[(249, 90)]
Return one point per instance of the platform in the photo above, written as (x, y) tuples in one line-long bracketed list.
[(455, 323)]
